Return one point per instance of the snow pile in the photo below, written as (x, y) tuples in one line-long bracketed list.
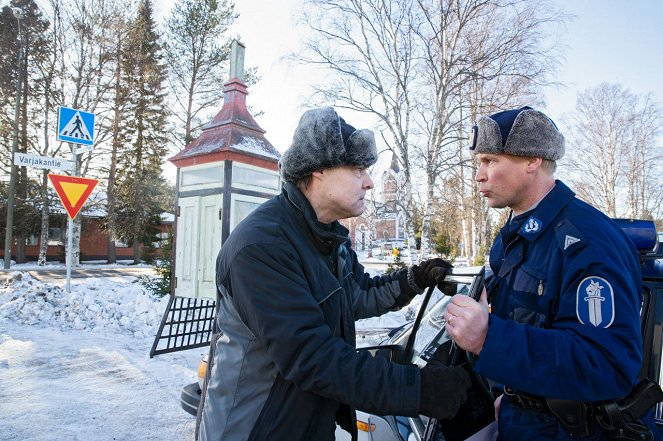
[(93, 305), (127, 307)]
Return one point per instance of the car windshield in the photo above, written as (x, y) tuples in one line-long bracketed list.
[(431, 333)]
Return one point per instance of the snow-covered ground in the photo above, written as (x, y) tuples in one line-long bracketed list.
[(76, 367)]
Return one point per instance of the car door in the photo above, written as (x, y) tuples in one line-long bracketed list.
[(416, 343)]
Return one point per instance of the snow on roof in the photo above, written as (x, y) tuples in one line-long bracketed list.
[(256, 146)]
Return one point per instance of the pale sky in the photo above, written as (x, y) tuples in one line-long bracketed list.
[(613, 41), (608, 41)]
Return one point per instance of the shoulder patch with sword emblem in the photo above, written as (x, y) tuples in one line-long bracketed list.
[(595, 302)]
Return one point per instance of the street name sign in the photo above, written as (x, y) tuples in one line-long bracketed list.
[(23, 160), (82, 149), (75, 126), (73, 191)]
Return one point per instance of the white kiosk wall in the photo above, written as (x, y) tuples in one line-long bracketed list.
[(200, 221)]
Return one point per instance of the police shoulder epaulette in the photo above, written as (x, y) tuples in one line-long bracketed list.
[(569, 238)]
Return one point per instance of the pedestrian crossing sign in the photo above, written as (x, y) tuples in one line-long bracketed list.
[(75, 126)]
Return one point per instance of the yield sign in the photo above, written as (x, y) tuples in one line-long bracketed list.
[(73, 191)]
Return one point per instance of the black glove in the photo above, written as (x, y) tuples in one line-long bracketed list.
[(430, 272), (443, 390)]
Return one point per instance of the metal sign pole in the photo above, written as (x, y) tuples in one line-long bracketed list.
[(75, 127), (70, 244), (70, 221)]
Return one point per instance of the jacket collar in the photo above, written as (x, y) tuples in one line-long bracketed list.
[(325, 237), (545, 213), (529, 226)]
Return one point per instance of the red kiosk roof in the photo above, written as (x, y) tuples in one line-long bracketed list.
[(232, 134)]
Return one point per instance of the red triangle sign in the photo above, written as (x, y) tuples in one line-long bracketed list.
[(73, 191)]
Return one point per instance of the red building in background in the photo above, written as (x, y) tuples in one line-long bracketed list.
[(94, 240), (381, 224)]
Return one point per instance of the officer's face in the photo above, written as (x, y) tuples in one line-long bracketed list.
[(341, 192), (504, 181)]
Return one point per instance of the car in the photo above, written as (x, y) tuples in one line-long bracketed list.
[(416, 341), (461, 261), (190, 395)]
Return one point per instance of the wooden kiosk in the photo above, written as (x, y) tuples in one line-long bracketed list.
[(222, 175)]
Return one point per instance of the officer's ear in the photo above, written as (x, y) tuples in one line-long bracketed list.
[(533, 164)]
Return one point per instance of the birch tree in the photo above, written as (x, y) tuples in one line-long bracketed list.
[(85, 55), (614, 151), (472, 45), (417, 65), (371, 50)]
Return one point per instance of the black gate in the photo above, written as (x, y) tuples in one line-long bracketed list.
[(187, 323)]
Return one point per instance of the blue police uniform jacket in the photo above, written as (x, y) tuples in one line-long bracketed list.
[(565, 313)]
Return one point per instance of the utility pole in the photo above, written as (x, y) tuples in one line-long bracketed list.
[(9, 237)]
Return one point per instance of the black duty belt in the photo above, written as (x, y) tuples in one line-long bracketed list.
[(620, 419), (525, 401), (572, 415)]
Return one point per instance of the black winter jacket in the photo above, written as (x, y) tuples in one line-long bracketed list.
[(285, 366)]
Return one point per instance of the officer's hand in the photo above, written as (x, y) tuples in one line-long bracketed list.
[(443, 390), (430, 272), (467, 322)]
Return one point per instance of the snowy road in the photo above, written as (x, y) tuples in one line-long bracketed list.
[(83, 386), (75, 366), (58, 274)]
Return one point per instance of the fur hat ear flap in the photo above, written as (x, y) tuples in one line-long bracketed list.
[(323, 140), (360, 149)]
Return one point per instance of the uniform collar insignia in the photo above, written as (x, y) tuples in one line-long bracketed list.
[(531, 226), (570, 240)]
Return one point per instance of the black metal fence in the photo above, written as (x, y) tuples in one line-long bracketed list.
[(187, 323)]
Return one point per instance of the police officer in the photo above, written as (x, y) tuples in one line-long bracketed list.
[(563, 332)]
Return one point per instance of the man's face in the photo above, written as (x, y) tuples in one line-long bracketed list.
[(504, 181), (341, 193)]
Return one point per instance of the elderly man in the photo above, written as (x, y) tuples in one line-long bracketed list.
[(284, 364), (563, 334)]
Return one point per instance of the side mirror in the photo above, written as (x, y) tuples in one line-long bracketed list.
[(393, 353)]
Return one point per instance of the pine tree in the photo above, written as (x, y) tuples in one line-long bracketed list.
[(197, 59), (163, 266), (118, 136), (397, 261), (35, 49), (139, 180)]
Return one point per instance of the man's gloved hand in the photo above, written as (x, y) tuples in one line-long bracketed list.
[(430, 272), (443, 390)]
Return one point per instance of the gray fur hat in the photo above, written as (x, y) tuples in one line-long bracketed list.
[(324, 140), (519, 132)]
